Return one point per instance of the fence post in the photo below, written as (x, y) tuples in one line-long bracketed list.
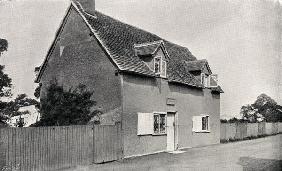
[(3, 148)]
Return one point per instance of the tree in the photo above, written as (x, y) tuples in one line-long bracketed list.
[(268, 108), (61, 107), (249, 113), (263, 109), (3, 45), (10, 108), (5, 81), (264, 99)]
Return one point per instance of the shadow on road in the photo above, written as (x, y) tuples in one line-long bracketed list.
[(254, 164)]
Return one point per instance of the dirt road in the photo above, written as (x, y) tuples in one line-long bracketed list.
[(251, 155)]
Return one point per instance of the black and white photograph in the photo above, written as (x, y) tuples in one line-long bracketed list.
[(140, 85)]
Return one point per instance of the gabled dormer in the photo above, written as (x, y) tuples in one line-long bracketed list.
[(201, 70), (154, 55)]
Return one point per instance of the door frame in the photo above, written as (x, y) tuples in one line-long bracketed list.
[(175, 128)]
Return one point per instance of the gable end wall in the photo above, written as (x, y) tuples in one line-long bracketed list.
[(79, 58)]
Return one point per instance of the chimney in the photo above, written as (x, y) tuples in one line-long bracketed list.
[(88, 6)]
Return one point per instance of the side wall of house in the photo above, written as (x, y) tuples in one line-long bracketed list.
[(148, 95), (79, 59)]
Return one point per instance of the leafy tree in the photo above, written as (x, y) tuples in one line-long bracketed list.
[(262, 100), (3, 45), (20, 122), (264, 108), (61, 107), (5, 81), (249, 113), (268, 108), (10, 108)]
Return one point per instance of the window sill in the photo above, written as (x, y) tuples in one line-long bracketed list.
[(159, 134), (210, 87), (201, 131), (160, 76), (151, 134)]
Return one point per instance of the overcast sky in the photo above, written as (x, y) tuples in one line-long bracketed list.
[(241, 39)]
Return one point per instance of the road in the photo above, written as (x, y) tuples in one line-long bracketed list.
[(250, 155)]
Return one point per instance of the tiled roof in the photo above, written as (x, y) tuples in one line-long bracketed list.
[(147, 49), (119, 39), (181, 74), (217, 89), (196, 65)]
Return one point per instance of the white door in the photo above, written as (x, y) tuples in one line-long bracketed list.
[(170, 132)]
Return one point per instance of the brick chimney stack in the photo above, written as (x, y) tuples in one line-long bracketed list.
[(88, 6)]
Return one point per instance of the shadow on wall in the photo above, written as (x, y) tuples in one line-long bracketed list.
[(254, 164)]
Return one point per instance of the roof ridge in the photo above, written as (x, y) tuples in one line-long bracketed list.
[(82, 9), (141, 29)]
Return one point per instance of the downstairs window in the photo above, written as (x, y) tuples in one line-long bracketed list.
[(200, 123)]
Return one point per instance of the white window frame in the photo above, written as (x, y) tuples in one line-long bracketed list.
[(158, 114), (160, 64), (204, 79), (216, 80), (163, 75), (199, 129)]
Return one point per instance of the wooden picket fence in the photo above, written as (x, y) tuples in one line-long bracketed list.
[(50, 148), (239, 131)]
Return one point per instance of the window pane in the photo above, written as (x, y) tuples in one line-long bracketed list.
[(162, 124), (203, 78), (213, 80), (163, 69), (156, 124), (157, 65), (205, 123)]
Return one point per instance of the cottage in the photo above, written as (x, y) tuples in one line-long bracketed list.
[(163, 96)]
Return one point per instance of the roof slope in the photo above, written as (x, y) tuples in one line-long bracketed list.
[(147, 49), (119, 39), (196, 65)]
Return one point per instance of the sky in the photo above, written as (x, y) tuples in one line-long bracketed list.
[(241, 39)]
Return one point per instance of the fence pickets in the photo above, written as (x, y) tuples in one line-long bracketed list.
[(49, 148), (239, 131)]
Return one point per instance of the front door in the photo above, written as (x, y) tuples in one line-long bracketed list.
[(170, 131)]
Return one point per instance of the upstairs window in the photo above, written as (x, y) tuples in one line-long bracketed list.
[(160, 66), (213, 80), (204, 79), (209, 80), (157, 64)]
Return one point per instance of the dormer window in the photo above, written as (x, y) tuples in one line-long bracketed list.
[(213, 79), (204, 79), (154, 55), (209, 80), (160, 66)]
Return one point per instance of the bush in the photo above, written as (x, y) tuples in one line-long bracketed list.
[(62, 107)]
